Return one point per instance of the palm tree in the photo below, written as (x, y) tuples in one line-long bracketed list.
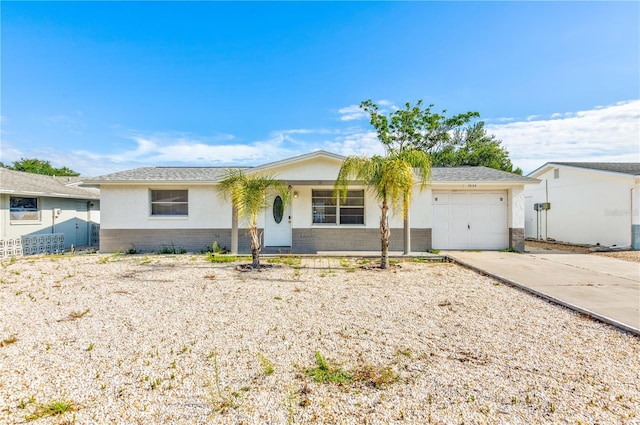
[(392, 178), (249, 195)]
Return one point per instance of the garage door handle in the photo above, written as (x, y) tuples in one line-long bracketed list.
[(468, 226)]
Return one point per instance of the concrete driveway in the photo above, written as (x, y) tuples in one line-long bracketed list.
[(604, 287)]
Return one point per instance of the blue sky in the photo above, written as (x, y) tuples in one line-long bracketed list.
[(103, 87)]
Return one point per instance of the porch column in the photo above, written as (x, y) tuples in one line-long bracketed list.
[(234, 230), (407, 235)]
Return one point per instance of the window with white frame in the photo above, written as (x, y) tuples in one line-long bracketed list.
[(24, 208), (327, 209), (169, 202)]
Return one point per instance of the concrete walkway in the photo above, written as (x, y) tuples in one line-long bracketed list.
[(603, 287)]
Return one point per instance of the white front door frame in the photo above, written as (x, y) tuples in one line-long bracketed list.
[(277, 234)]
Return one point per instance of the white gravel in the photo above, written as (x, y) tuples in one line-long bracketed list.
[(179, 340)]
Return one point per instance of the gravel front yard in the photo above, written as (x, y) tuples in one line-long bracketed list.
[(179, 340)]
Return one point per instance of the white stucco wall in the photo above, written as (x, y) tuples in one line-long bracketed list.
[(516, 217), (316, 168), (128, 207), (635, 204), (587, 207)]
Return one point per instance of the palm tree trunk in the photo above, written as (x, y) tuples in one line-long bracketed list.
[(255, 245), (384, 235)]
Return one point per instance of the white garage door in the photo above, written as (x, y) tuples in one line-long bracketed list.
[(470, 220)]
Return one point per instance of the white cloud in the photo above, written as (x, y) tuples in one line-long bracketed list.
[(609, 134), (355, 142), (352, 112)]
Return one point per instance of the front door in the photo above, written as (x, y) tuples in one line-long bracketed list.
[(82, 229), (277, 229)]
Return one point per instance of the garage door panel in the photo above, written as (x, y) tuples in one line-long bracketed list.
[(441, 198), (478, 198), (470, 220), (478, 211), (459, 198)]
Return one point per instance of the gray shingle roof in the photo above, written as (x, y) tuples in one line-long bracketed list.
[(632, 168), (476, 174), (212, 174), (20, 183), (165, 174)]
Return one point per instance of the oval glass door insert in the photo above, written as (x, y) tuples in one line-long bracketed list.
[(278, 209)]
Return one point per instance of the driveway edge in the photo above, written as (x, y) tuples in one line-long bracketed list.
[(550, 298)]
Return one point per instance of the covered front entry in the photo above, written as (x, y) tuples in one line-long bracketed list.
[(277, 229), (470, 220)]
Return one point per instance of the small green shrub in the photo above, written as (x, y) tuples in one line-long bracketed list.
[(215, 258), (217, 249), (325, 373), (54, 408), (289, 260), (171, 249), (265, 364), (377, 377), (510, 250)]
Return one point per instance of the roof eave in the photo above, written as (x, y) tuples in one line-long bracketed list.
[(19, 192), (98, 183), (483, 182)]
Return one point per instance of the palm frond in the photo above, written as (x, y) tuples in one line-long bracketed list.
[(250, 193)]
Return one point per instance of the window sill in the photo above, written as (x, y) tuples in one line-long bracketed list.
[(168, 217), (337, 225), (25, 222)]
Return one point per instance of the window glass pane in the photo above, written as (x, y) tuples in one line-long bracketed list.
[(323, 214), (322, 193), (353, 199), (169, 196), (169, 209), (352, 208), (351, 215), (278, 209), (169, 202), (324, 206), (327, 208), (23, 208)]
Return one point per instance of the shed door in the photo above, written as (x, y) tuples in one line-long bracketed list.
[(470, 220)]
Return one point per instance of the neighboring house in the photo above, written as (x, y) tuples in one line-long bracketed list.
[(37, 205), (591, 203), (462, 208)]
